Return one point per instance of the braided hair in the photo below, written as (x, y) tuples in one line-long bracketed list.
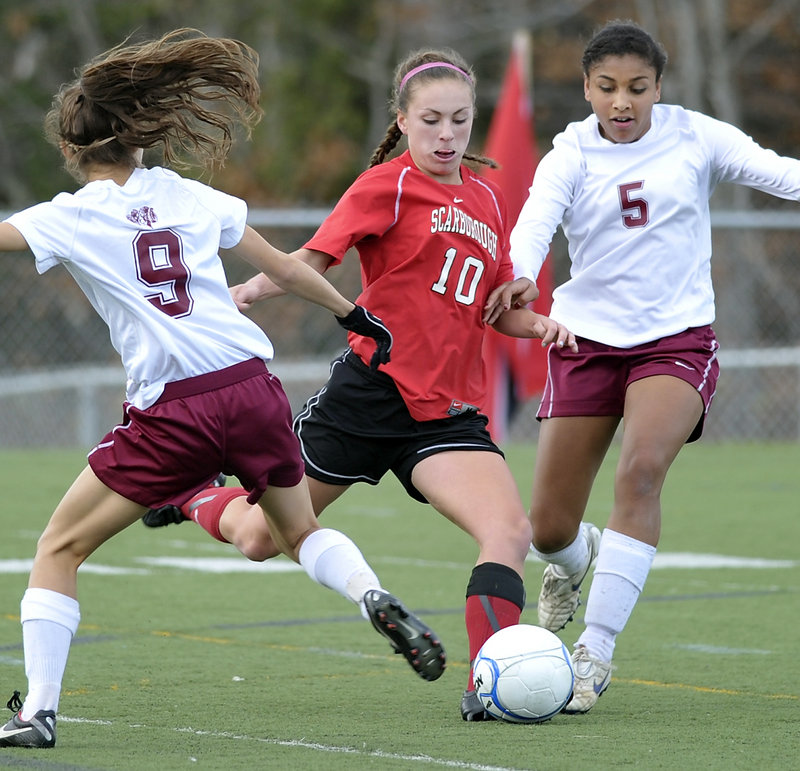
[(402, 89)]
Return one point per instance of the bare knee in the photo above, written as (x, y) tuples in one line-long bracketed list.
[(250, 534), (258, 549), (52, 548), (640, 477)]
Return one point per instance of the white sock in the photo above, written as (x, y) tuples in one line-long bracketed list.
[(623, 564), (331, 559), (49, 621), (570, 559)]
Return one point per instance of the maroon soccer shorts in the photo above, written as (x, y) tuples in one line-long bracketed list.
[(594, 380), (236, 421)]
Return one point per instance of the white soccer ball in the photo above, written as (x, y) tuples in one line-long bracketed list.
[(523, 674)]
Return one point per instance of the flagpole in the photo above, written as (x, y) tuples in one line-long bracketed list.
[(515, 368)]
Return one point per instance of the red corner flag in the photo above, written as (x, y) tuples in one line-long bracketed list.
[(516, 368)]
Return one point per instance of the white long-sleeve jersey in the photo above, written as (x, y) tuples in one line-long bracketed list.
[(637, 221)]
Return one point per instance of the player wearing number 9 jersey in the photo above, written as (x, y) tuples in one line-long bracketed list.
[(432, 240), (146, 255), (143, 245), (631, 186)]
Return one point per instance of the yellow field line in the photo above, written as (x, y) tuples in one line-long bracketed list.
[(705, 689), (462, 665)]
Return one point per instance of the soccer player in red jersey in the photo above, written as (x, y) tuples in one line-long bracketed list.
[(432, 237)]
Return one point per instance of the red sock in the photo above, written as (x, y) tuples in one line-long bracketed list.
[(484, 616), (206, 508), (495, 599)]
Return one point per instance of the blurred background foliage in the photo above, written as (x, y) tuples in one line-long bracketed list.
[(326, 71), (327, 65)]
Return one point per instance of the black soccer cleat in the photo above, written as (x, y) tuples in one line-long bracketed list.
[(38, 732), (171, 514), (406, 633), (163, 516), (471, 708)]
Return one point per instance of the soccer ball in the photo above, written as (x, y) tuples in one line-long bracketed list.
[(523, 674)]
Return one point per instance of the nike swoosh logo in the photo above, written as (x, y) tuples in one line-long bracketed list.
[(201, 501), (458, 200), (14, 732), (598, 689)]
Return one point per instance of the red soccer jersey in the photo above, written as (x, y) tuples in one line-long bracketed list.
[(430, 255)]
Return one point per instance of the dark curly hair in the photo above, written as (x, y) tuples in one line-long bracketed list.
[(619, 38)]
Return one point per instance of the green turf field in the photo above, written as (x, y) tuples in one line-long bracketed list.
[(190, 657)]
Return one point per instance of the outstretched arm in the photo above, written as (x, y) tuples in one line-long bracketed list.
[(261, 287), (525, 323), (291, 273), (11, 239)]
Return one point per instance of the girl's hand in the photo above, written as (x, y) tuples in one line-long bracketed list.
[(362, 322), (259, 287), (552, 332), (512, 294)]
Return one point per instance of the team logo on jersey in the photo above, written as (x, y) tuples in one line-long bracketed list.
[(144, 216)]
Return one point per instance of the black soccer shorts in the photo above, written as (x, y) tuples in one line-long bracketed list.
[(357, 427)]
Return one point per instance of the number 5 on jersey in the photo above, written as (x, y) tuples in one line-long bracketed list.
[(635, 213)]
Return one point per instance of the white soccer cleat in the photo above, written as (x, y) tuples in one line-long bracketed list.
[(560, 596), (592, 677)]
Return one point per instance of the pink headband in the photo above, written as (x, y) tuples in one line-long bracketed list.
[(410, 74)]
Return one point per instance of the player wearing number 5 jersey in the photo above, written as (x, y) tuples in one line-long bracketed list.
[(432, 239), (143, 245), (636, 217), (631, 186)]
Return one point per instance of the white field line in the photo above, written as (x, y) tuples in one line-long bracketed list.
[(722, 650), (238, 564), (317, 746)]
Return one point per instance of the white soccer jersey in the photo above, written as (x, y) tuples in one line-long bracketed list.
[(637, 220), (146, 256)]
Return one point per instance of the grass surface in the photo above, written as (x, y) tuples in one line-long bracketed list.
[(176, 666)]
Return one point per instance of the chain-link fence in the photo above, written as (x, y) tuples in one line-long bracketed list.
[(61, 383)]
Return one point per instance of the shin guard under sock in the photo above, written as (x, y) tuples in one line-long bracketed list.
[(495, 599), (206, 508), (49, 621)]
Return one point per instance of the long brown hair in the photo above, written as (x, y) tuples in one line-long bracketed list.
[(184, 93), (401, 93)]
